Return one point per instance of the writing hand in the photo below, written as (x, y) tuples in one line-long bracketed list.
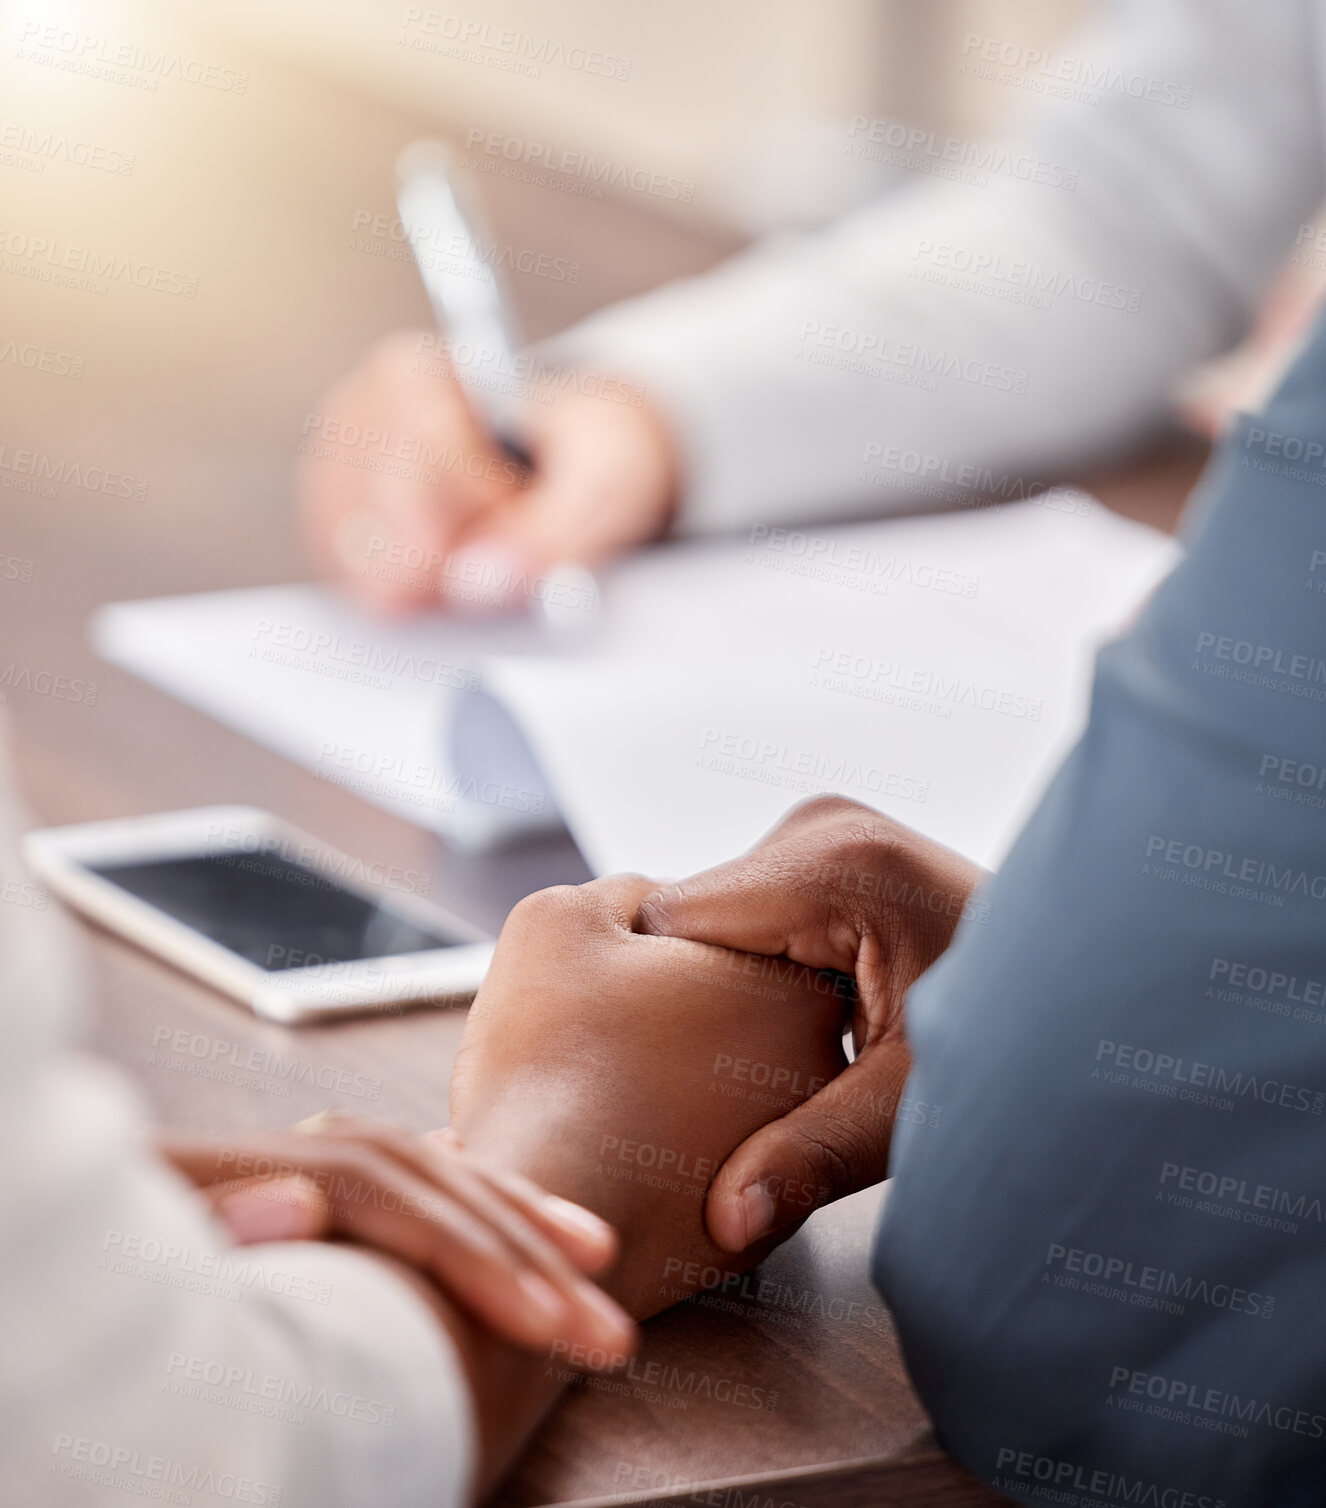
[(409, 503)]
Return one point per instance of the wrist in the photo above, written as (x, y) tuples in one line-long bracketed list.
[(510, 1390)]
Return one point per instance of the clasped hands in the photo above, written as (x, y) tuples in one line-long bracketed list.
[(672, 1058), (652, 1085)]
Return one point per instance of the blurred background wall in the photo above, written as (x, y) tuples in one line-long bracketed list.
[(712, 93), (197, 231)]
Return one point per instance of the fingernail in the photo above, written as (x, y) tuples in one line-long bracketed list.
[(542, 1300), (314, 1123), (578, 1220), (254, 1217), (757, 1212), (483, 576)]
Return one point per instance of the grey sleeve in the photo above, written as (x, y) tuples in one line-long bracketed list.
[(795, 377), (1105, 1244)]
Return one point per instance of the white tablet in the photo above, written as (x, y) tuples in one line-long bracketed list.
[(264, 912)]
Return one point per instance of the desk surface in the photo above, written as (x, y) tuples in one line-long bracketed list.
[(204, 400)]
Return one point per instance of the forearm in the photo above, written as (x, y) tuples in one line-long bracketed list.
[(511, 1390), (1125, 1089), (919, 350), (300, 1368)]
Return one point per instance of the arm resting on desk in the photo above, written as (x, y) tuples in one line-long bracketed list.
[(1117, 1202)]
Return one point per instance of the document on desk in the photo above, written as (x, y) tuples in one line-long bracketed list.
[(936, 668)]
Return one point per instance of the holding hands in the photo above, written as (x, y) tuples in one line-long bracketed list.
[(667, 1063), (652, 1090), (515, 1259), (834, 886), (673, 1058), (597, 1061)]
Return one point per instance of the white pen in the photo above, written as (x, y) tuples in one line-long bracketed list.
[(470, 307)]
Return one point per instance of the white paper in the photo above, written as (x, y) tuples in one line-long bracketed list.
[(363, 702), (936, 668)]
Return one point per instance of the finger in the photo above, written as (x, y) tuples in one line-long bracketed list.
[(617, 901), (575, 510), (617, 897), (286, 1209), (538, 1226), (606, 478), (543, 1229), (511, 1279), (834, 886), (206, 1160), (834, 1144), (451, 498), (763, 902), (378, 1202), (599, 911), (394, 473), (193, 1156), (430, 505), (550, 1280), (579, 1234), (589, 1241)]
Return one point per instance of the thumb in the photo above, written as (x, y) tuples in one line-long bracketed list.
[(512, 548), (834, 1144), (282, 1209), (752, 905), (594, 492)]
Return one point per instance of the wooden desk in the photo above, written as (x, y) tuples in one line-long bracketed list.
[(203, 399)]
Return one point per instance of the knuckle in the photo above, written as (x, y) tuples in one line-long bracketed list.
[(831, 835), (835, 1159), (821, 811), (655, 914), (616, 898), (860, 848), (827, 804), (542, 909), (863, 835)]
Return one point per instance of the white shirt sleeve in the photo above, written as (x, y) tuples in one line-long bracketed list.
[(143, 1357), (958, 338)]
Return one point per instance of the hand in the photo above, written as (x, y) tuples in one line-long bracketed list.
[(835, 886), (600, 1062), (503, 1250), (410, 503)]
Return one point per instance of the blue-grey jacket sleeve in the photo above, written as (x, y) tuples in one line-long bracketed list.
[(1105, 1248)]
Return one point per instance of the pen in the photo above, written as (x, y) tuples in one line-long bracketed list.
[(467, 299), (470, 307)]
